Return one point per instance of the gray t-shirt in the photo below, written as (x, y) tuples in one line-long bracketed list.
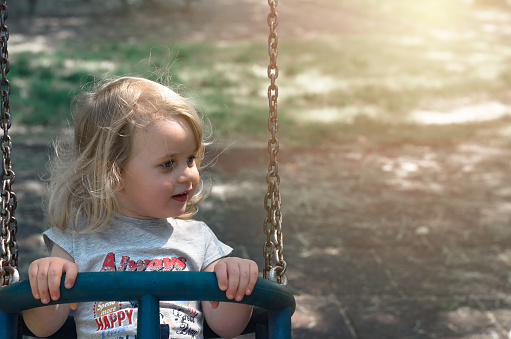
[(140, 245)]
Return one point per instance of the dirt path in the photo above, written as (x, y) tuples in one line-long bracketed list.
[(409, 242), (388, 243)]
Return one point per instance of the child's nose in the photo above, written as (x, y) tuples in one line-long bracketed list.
[(189, 173)]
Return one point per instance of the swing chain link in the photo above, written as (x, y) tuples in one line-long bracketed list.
[(275, 266), (8, 201)]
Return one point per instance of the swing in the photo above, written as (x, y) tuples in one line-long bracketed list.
[(273, 303)]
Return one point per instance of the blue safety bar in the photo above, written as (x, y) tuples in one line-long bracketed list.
[(149, 288)]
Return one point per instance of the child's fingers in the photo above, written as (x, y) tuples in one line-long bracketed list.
[(248, 279), (233, 272), (244, 277), (32, 277), (253, 274), (73, 306), (237, 277), (214, 304), (42, 281), (221, 275), (54, 275), (71, 271)]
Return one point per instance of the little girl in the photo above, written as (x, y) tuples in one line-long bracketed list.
[(122, 202)]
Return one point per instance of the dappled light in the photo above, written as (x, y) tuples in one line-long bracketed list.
[(468, 114), (475, 320), (394, 134)]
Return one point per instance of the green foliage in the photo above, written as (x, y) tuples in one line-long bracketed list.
[(332, 89)]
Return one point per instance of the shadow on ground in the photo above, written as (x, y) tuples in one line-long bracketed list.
[(396, 242), (381, 243)]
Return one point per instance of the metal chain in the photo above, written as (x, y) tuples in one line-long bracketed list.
[(275, 266), (8, 201)]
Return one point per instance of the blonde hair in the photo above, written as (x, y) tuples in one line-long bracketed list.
[(83, 182)]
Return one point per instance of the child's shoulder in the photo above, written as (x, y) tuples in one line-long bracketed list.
[(191, 226), (188, 223)]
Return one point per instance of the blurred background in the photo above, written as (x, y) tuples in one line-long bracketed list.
[(394, 133)]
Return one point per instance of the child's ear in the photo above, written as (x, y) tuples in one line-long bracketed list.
[(117, 179), (118, 185)]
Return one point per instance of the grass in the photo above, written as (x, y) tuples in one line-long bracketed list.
[(333, 89)]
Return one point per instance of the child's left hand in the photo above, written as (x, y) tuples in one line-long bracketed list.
[(236, 276)]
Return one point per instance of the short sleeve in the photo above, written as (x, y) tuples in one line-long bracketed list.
[(55, 236), (215, 249)]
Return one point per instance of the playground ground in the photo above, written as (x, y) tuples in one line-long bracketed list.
[(381, 242)]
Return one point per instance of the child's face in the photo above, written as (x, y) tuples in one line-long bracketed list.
[(160, 175)]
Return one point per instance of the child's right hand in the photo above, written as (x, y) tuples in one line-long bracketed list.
[(45, 275)]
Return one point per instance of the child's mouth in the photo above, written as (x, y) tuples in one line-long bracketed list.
[(182, 197)]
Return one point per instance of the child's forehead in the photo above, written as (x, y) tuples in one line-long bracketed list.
[(166, 129), (163, 119)]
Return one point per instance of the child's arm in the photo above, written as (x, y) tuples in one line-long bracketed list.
[(237, 277), (45, 275)]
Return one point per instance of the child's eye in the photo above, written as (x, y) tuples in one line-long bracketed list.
[(191, 159), (168, 164)]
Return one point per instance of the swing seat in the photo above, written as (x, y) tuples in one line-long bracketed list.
[(274, 304), (258, 324)]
